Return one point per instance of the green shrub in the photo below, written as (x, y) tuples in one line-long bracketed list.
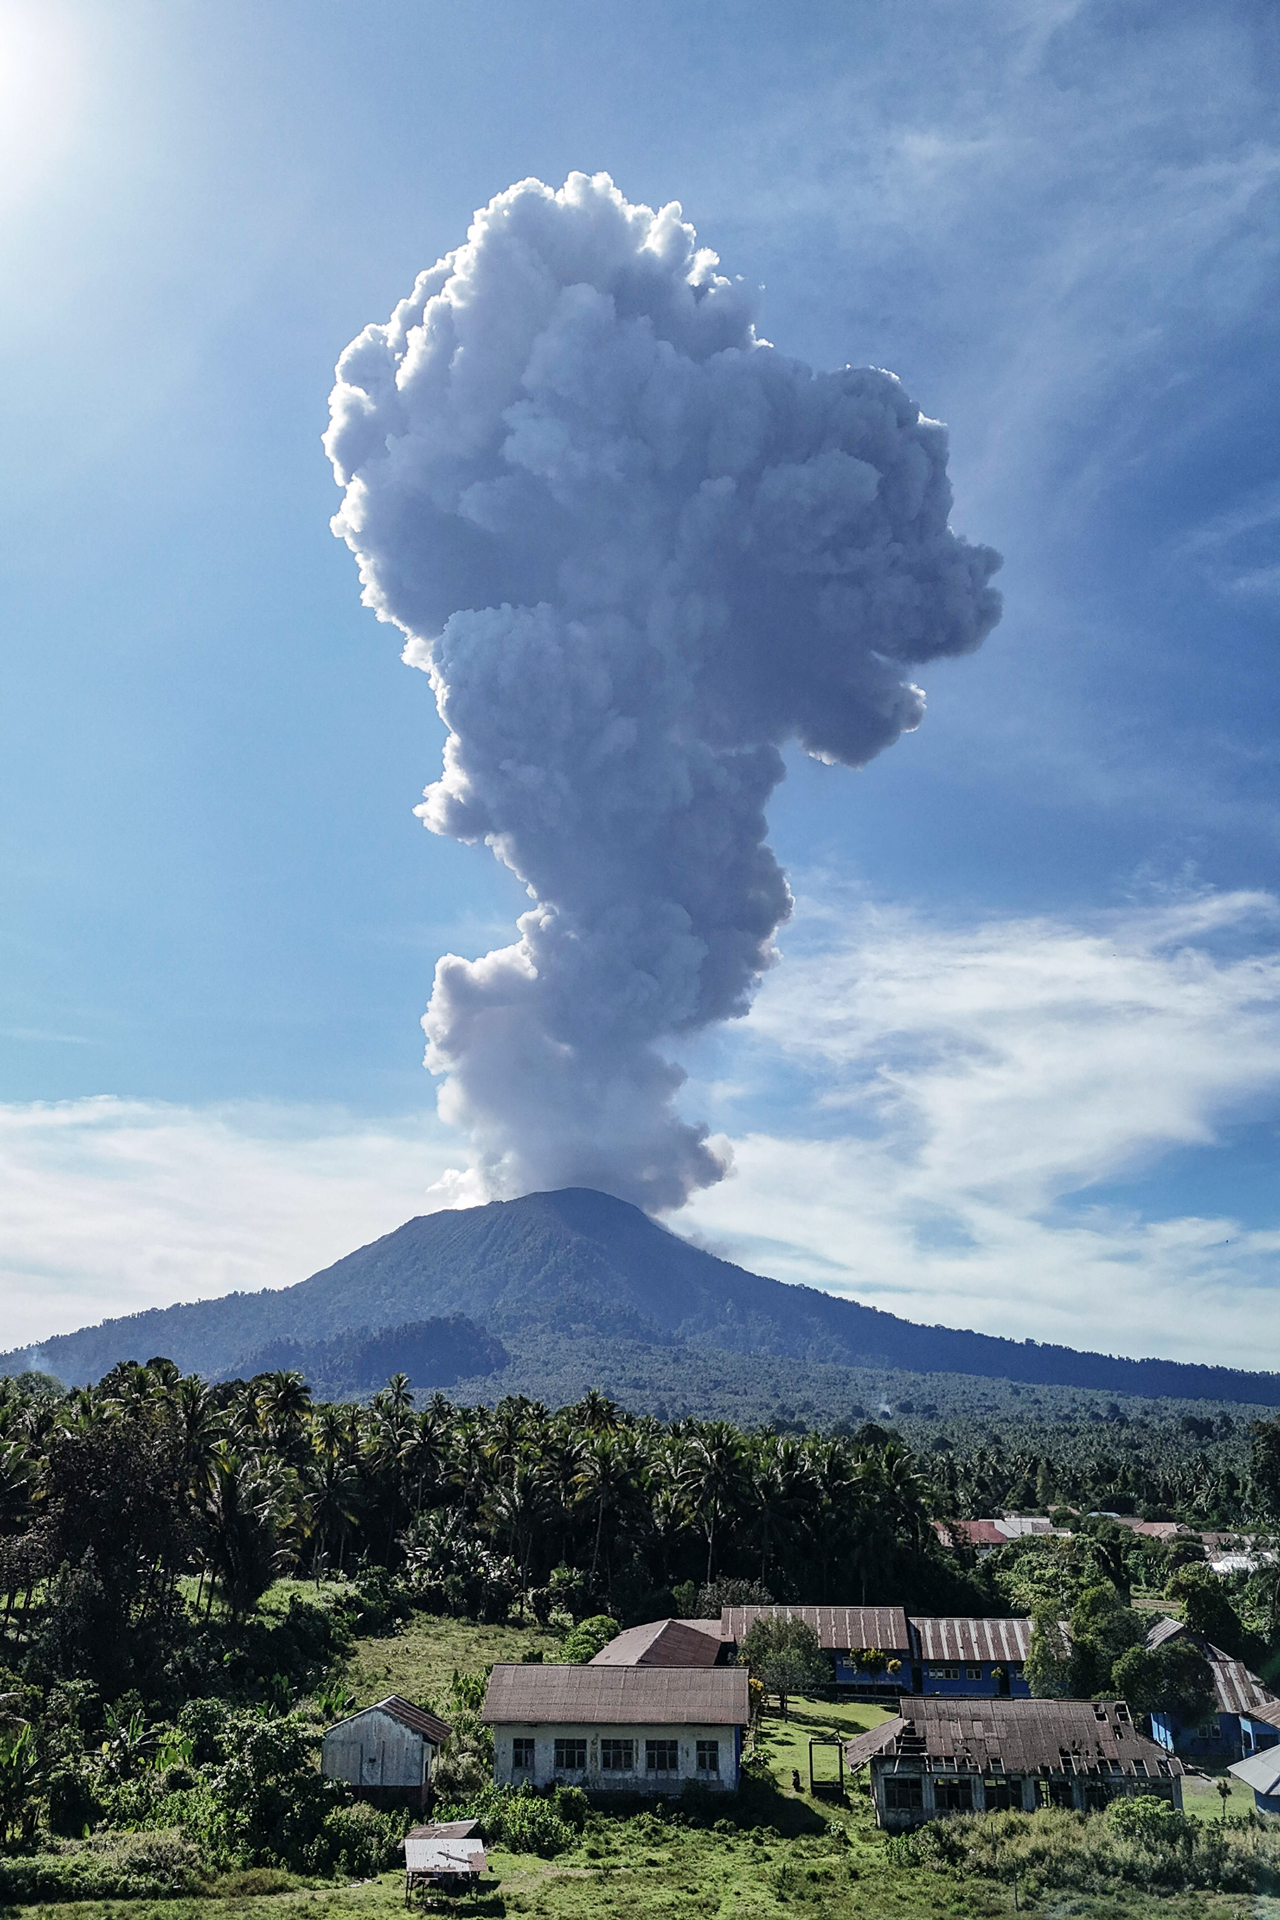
[(519, 1818), (587, 1638), (114, 1866), (1144, 1843)]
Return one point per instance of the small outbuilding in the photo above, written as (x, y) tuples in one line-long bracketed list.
[(618, 1729), (385, 1751), (448, 1854), (940, 1757)]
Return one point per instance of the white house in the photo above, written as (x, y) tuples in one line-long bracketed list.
[(619, 1729), (384, 1751)]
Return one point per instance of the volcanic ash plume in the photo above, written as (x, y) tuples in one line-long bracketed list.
[(637, 551)]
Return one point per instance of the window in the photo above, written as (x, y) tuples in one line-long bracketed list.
[(973, 1673), (522, 1756), (953, 1796), (904, 1793), (662, 1756), (617, 1756), (571, 1756), (947, 1673), (1001, 1796), (708, 1756)]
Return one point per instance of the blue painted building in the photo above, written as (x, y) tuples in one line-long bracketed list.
[(1246, 1716), (869, 1647), (969, 1656), (883, 1652)]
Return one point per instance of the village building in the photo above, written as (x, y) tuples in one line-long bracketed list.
[(385, 1752), (969, 1655), (869, 1647), (618, 1729), (665, 1643), (1245, 1717), (998, 1531), (940, 1757), (882, 1652)]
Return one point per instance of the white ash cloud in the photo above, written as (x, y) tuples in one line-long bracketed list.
[(637, 550)]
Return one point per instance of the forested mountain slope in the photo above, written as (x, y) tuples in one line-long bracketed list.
[(577, 1266)]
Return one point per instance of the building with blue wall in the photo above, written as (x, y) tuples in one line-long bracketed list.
[(881, 1652), (1246, 1714), (969, 1656)]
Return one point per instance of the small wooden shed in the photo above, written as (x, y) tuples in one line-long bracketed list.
[(448, 1854), (385, 1751)]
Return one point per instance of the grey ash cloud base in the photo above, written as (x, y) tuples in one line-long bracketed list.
[(638, 551), (588, 1268)]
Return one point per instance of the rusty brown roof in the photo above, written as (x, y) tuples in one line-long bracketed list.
[(616, 1696), (837, 1628), (939, 1637), (661, 1643), (427, 1724), (444, 1830), (1014, 1736)]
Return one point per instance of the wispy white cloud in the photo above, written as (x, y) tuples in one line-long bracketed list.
[(968, 1086), (935, 1118), (110, 1206)]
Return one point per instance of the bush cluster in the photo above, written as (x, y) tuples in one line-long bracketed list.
[(1143, 1843)]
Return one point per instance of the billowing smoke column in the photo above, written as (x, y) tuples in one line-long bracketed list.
[(637, 550)]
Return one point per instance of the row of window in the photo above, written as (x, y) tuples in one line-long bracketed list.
[(617, 1756), (969, 1672), (904, 1793)]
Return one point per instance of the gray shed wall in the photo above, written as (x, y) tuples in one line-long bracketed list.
[(374, 1749)]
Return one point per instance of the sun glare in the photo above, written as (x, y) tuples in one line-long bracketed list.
[(41, 88)]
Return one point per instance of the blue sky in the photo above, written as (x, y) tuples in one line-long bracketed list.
[(1058, 224)]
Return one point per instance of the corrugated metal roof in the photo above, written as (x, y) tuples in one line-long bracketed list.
[(616, 1696), (661, 1643), (432, 1729), (444, 1830), (444, 1856), (971, 1533), (837, 1628), (943, 1638), (1237, 1688), (1021, 1736), (1163, 1630), (1261, 1771)]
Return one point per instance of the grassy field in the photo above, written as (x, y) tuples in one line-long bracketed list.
[(419, 1660)]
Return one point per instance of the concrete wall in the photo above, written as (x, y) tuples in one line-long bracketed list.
[(374, 1749), (595, 1778)]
